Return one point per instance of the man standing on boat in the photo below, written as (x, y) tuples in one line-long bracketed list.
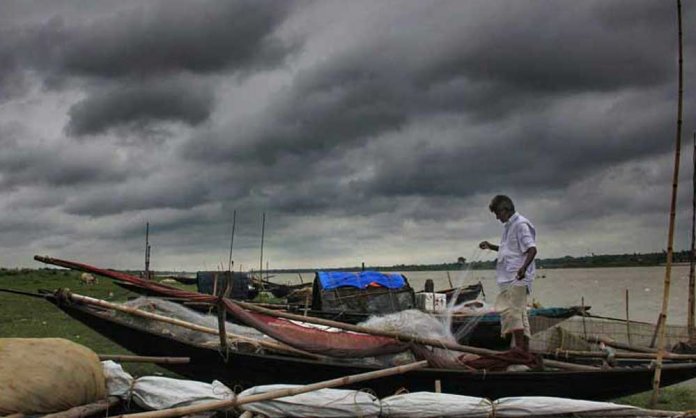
[(514, 269)]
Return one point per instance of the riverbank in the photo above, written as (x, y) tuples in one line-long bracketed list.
[(23, 317)]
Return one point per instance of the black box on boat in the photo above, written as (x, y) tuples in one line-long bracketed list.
[(240, 285), (367, 300)]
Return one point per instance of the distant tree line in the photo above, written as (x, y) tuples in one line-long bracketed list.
[(593, 260), (588, 261)]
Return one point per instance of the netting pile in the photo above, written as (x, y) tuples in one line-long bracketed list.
[(569, 334), (177, 311)]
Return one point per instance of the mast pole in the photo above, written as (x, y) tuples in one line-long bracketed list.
[(234, 224), (670, 239), (692, 255), (263, 230), (147, 251)]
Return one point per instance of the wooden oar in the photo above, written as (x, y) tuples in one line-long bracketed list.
[(280, 393), (122, 358), (134, 311), (401, 337)]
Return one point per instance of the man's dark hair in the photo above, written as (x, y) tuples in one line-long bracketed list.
[(501, 202)]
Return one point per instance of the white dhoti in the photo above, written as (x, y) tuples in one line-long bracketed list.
[(511, 305)]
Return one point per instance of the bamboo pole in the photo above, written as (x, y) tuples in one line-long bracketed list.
[(399, 336), (628, 322), (658, 327), (692, 258), (234, 224), (87, 410), (222, 321), (147, 251), (608, 341), (280, 393), (144, 359), (134, 311), (600, 354), (584, 326), (673, 204), (263, 232)]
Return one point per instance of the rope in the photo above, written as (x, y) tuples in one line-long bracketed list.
[(493, 409), (129, 395)]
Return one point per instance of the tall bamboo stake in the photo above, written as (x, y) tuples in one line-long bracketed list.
[(234, 224), (672, 210), (147, 250), (692, 258), (263, 231), (628, 321)]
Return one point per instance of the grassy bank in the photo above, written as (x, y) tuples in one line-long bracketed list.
[(27, 317)]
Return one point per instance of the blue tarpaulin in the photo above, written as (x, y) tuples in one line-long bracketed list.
[(333, 279)]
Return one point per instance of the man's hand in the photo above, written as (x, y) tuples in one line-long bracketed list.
[(485, 245), (521, 273)]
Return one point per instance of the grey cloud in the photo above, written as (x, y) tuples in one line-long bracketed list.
[(161, 37), (345, 122), (26, 162), (139, 106), (379, 87)]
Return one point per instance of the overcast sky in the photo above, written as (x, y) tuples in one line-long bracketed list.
[(367, 131)]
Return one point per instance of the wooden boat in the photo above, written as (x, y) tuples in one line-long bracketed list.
[(250, 369), (481, 330)]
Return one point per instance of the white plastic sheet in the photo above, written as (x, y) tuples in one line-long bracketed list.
[(427, 404), (154, 392), (328, 403), (162, 392), (543, 405)]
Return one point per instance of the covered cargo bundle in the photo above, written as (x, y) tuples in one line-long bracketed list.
[(43, 375), (369, 292)]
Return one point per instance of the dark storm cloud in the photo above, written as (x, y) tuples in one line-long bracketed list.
[(176, 193), (138, 53), (345, 121), (544, 95), (25, 163), (156, 38), (483, 70), (174, 36), (137, 105)]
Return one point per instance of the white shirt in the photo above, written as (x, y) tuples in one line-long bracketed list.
[(519, 236)]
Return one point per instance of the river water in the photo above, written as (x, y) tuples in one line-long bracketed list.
[(604, 289)]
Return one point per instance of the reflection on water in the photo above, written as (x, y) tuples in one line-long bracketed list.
[(602, 288)]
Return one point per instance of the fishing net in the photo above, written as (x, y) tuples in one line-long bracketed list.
[(42, 375), (177, 311), (418, 324), (567, 334)]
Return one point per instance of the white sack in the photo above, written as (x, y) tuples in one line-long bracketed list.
[(153, 392), (524, 406), (428, 404), (327, 403)]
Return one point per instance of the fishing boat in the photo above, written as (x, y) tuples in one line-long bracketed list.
[(350, 304), (250, 368)]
